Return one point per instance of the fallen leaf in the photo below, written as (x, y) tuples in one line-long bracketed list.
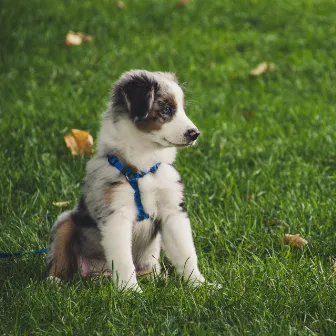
[(76, 38), (261, 68), (72, 39), (120, 4), (182, 3), (79, 142), (294, 240), (61, 203)]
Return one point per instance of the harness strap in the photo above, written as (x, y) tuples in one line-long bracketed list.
[(132, 179)]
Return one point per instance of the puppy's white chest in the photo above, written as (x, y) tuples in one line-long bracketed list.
[(148, 186), (160, 190)]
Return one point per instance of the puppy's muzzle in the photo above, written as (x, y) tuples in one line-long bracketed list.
[(192, 134)]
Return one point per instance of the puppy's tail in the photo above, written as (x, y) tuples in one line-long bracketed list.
[(61, 257)]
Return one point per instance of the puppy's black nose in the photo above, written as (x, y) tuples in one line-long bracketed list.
[(192, 134)]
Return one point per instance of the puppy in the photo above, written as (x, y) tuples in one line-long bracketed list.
[(132, 197)]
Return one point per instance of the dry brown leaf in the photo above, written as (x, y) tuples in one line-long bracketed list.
[(76, 38), (261, 68), (294, 240), (182, 3), (79, 142), (120, 4), (61, 204), (71, 144), (72, 39), (84, 140)]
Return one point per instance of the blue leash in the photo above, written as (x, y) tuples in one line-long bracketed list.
[(133, 178), (13, 254)]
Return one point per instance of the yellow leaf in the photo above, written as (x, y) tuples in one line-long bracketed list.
[(76, 38), (79, 142), (294, 240), (261, 68)]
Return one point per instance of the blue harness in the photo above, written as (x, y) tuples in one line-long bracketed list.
[(133, 178)]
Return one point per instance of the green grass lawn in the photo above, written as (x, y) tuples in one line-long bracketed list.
[(265, 164)]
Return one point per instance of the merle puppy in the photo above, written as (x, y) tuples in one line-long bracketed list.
[(132, 197)]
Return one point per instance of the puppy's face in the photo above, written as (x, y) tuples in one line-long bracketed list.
[(154, 102)]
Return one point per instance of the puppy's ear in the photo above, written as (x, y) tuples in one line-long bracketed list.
[(137, 90)]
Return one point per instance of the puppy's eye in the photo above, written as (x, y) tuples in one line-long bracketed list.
[(166, 109)]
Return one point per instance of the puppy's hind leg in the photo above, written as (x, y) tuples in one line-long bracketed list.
[(61, 258)]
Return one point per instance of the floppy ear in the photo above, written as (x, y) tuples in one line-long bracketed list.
[(138, 92)]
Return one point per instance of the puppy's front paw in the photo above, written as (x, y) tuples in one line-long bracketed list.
[(53, 279), (194, 279), (135, 288), (128, 286)]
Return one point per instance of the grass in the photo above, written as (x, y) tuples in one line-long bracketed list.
[(265, 164)]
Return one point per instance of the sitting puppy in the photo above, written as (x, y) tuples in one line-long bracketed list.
[(132, 195)]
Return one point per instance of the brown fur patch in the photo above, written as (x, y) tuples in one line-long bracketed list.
[(156, 118), (63, 263), (152, 123), (170, 99), (109, 191)]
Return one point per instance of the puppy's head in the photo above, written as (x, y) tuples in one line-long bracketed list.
[(154, 103)]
